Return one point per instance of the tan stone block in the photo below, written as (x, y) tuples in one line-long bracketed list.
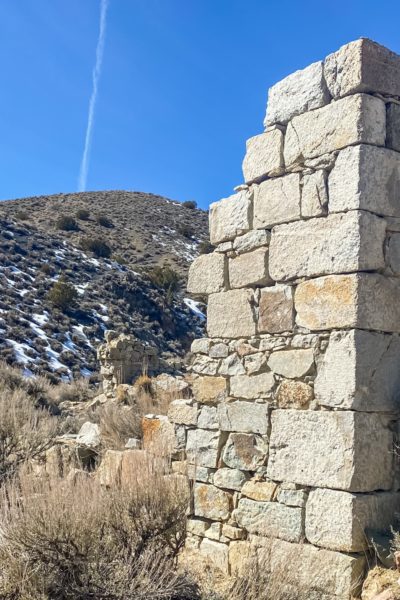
[(249, 269), (245, 451), (109, 471), (252, 386), (270, 519), (264, 156), (231, 314), (294, 394), (276, 201), (263, 491), (314, 194), (230, 217), (202, 447), (209, 389), (244, 417), (292, 363), (276, 309), (208, 274), (158, 432), (183, 412), (211, 502), (216, 553), (241, 555)]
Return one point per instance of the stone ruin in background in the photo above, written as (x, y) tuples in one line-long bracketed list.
[(291, 438)]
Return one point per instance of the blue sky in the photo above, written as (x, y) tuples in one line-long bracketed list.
[(183, 85)]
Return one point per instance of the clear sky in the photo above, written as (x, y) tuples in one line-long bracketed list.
[(183, 84)]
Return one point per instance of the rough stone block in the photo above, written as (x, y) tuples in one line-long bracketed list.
[(362, 66), (230, 217), (208, 418), (360, 370), (230, 479), (338, 520), (292, 363), (362, 300), (264, 156), (314, 194), (216, 553), (341, 243), (393, 126), (270, 519), (252, 386), (232, 365), (251, 240), (262, 491), (294, 394), (292, 497), (231, 314), (109, 471), (209, 389), (183, 412), (299, 92), (358, 119), (277, 201), (276, 309), (343, 450), (202, 447), (367, 178), (211, 502), (393, 253), (249, 269), (241, 554), (208, 274), (245, 451), (243, 417)]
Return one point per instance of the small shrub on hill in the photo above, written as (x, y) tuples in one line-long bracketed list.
[(67, 223), (82, 214), (165, 278), (22, 215), (192, 204), (96, 245), (186, 230), (62, 294), (104, 221)]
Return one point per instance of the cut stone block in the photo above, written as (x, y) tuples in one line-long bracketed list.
[(231, 314), (109, 471), (208, 274), (251, 240), (393, 126), (393, 253), (183, 412), (314, 194), (230, 217), (292, 497), (209, 389), (253, 386), (244, 417), (263, 491), (339, 520), (264, 156), (212, 503), (216, 553), (294, 394), (230, 479), (249, 269), (360, 370), (202, 447), (299, 92), (343, 450), (363, 300), (232, 365), (362, 66), (341, 243), (358, 119), (368, 178), (276, 309), (270, 519), (208, 418), (291, 363), (277, 201), (245, 451)]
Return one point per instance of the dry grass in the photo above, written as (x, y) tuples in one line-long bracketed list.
[(117, 424)]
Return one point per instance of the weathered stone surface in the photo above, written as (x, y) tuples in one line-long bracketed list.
[(241, 554), (393, 254), (208, 274), (362, 300), (244, 417), (360, 370), (292, 497), (255, 363), (205, 365), (208, 418), (211, 502), (209, 389), (251, 386), (344, 450), (202, 447), (262, 491), (89, 435), (294, 394), (245, 451), (158, 433), (230, 217), (109, 471), (338, 520), (230, 479), (233, 533), (249, 269), (358, 119), (291, 363), (270, 519), (393, 126), (219, 350), (231, 314), (216, 553), (362, 66), (341, 243), (277, 201), (276, 309), (251, 240), (232, 365), (183, 412), (365, 177), (197, 526), (314, 194), (264, 156), (299, 92)]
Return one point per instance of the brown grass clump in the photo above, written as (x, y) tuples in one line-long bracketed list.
[(117, 424)]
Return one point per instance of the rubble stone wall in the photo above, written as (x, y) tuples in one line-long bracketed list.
[(291, 437)]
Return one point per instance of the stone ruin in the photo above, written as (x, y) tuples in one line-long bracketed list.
[(291, 438)]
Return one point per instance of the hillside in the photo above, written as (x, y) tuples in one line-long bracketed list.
[(114, 292)]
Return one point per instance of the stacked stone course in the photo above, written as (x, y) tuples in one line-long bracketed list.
[(297, 387)]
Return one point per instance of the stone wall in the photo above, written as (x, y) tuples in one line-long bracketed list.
[(292, 433)]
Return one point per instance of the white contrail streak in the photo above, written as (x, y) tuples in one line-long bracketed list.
[(93, 98)]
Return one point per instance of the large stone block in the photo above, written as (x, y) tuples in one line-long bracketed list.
[(270, 519), (183, 412), (244, 417), (202, 447), (339, 520), (231, 314), (209, 389), (252, 386), (216, 553), (299, 92), (208, 274), (251, 240), (230, 479), (230, 217), (362, 66), (249, 269), (264, 156), (292, 363), (393, 253), (358, 119), (393, 126), (276, 309), (362, 300), (368, 178), (277, 201), (360, 370), (344, 450), (245, 451), (341, 243), (314, 194), (211, 502)]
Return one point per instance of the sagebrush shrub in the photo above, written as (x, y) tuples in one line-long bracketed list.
[(104, 221), (166, 278), (66, 223), (96, 245), (62, 294), (82, 214), (192, 204)]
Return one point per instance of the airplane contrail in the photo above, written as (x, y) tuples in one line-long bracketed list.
[(93, 98)]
